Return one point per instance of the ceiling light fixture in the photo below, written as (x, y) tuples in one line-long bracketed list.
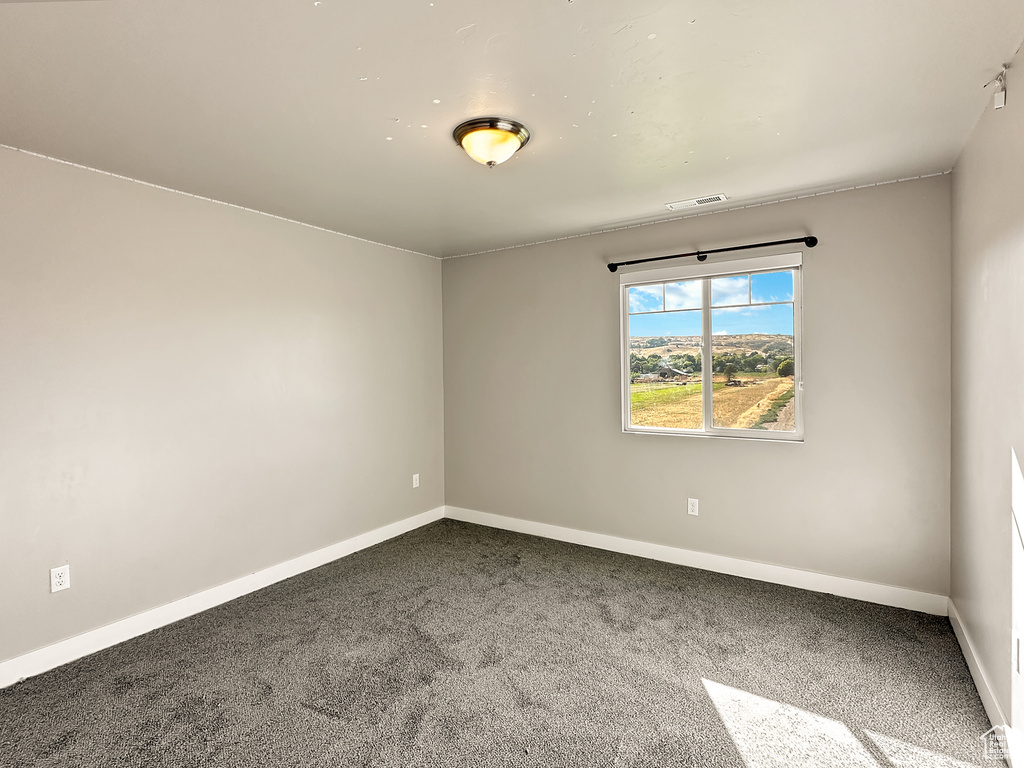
[(491, 140)]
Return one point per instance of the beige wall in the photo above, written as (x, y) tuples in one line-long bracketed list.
[(988, 375), (532, 403), (190, 393)]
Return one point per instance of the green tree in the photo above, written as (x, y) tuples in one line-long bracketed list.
[(730, 371), (751, 361), (787, 367), (649, 364)]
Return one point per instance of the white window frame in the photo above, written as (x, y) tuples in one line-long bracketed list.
[(724, 266)]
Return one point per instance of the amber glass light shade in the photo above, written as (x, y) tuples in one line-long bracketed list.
[(491, 140)]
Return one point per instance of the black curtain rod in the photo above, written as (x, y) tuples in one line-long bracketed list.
[(810, 242)]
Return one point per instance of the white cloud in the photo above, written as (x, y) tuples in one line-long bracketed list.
[(645, 298), (730, 290), (686, 295)]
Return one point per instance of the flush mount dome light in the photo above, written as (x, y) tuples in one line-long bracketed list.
[(491, 140)]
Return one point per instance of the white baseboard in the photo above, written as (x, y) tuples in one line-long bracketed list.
[(51, 656), (883, 594), (988, 697)]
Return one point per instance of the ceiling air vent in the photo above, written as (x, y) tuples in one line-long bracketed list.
[(697, 201)]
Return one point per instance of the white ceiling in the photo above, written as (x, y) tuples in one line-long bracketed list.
[(286, 106)]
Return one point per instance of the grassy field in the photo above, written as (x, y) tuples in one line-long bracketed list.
[(679, 406), (779, 413), (667, 405), (742, 407), (647, 393)]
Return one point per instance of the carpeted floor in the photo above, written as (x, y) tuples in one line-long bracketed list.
[(457, 645)]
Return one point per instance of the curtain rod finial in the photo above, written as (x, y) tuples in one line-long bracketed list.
[(811, 241), (613, 267)]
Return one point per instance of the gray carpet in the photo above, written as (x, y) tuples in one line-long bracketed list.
[(457, 645)]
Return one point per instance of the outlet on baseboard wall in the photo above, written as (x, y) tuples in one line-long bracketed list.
[(691, 507), (416, 481), (60, 578)]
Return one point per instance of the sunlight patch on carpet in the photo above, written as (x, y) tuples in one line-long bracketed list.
[(771, 734)]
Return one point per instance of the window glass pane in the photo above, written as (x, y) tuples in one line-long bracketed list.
[(771, 286), (664, 370), (752, 367), (646, 298), (726, 291), (685, 295)]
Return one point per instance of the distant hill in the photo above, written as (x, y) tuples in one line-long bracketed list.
[(778, 344)]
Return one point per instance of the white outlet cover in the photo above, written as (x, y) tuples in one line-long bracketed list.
[(691, 507), (60, 578), (416, 481)]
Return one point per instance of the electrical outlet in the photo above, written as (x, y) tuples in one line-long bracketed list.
[(60, 578), (691, 507), (416, 481)]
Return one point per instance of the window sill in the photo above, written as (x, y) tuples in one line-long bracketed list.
[(784, 437)]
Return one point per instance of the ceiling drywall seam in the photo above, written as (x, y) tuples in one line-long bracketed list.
[(211, 200), (702, 213)]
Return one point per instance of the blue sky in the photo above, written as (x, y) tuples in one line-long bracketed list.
[(770, 286), (666, 324), (736, 293), (766, 318)]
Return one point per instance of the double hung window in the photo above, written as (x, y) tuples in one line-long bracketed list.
[(713, 348)]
